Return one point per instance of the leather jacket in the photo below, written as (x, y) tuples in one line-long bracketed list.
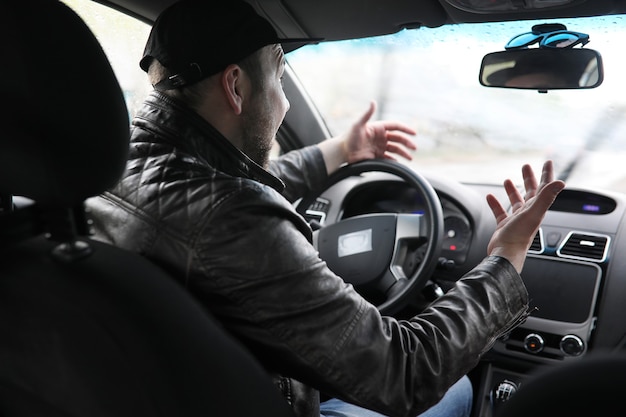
[(225, 227)]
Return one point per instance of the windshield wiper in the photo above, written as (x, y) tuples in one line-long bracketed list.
[(601, 131)]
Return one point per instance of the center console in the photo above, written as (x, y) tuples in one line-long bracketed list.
[(563, 294), (564, 274)]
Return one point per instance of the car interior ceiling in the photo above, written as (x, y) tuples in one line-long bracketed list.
[(333, 20)]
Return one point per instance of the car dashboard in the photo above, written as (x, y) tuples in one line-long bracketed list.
[(572, 273), (397, 197)]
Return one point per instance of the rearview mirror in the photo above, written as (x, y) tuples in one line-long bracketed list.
[(542, 69)]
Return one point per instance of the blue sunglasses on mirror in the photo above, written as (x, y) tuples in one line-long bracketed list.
[(556, 39)]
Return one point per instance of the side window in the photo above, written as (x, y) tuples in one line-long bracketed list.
[(123, 39)]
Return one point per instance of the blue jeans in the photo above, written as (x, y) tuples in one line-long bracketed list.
[(456, 403)]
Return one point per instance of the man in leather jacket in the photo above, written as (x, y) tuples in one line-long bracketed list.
[(201, 198)]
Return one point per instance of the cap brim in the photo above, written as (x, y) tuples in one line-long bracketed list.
[(290, 45)]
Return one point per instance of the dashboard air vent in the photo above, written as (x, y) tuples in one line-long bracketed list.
[(585, 246), (537, 245)]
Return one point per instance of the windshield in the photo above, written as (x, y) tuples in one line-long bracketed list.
[(428, 78)]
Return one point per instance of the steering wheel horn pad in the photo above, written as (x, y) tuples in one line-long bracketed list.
[(359, 249)]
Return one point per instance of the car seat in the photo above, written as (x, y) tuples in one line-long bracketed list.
[(87, 329), (590, 386)]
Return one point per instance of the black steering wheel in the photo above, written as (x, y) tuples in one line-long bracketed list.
[(387, 257)]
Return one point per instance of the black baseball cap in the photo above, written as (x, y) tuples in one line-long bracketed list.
[(198, 38)]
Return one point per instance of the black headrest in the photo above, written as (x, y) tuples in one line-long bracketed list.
[(64, 123)]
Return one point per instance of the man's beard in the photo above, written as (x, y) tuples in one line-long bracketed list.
[(258, 137)]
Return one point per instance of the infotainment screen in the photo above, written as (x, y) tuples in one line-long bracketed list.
[(561, 290)]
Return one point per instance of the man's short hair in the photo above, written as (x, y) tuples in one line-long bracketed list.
[(193, 95)]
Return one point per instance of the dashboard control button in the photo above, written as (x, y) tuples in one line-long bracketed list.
[(572, 345), (533, 343), (553, 239)]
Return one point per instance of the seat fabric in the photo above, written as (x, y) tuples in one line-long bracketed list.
[(88, 329), (112, 335)]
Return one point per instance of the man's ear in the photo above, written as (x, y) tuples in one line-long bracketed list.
[(233, 86)]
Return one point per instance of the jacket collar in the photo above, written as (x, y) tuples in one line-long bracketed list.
[(175, 123)]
